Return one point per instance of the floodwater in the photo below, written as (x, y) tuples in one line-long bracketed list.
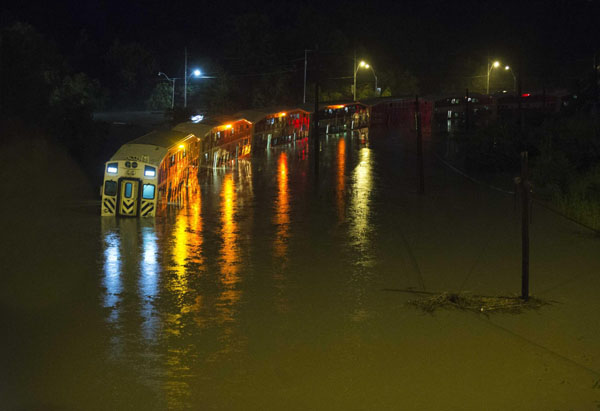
[(272, 287)]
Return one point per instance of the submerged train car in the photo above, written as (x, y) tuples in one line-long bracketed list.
[(344, 116), (158, 167), (278, 127), (146, 168)]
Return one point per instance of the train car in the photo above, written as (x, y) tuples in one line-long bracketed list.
[(345, 116), (229, 139), (159, 168), (145, 169), (282, 126), (399, 112)]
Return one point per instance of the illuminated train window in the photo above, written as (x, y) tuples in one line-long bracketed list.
[(128, 189), (148, 192)]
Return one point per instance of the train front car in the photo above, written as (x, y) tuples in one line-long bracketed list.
[(132, 178)]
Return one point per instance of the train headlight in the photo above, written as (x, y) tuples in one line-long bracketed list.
[(149, 171), (112, 168)]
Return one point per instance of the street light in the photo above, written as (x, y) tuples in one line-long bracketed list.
[(172, 80), (507, 68), (494, 65), (195, 73), (365, 65)]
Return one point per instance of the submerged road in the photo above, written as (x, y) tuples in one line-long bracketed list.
[(269, 289)]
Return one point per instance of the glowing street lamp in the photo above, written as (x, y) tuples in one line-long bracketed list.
[(195, 73), (507, 68), (492, 66), (367, 66)]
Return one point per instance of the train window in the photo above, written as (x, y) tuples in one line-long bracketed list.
[(128, 189), (110, 188), (148, 192)]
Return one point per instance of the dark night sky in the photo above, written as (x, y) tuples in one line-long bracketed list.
[(554, 38)]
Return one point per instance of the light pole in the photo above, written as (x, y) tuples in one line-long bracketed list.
[(305, 66), (507, 68), (496, 64), (197, 74), (375, 75), (365, 65), (172, 80)]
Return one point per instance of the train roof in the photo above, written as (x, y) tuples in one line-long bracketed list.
[(252, 116), (151, 147), (197, 129), (141, 152), (161, 138)]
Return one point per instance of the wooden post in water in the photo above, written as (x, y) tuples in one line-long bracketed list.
[(525, 189), (420, 173)]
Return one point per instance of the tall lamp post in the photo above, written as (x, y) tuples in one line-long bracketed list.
[(492, 66), (375, 75), (197, 74), (172, 80), (508, 68), (364, 65)]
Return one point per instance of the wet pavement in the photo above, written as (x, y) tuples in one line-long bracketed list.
[(270, 287)]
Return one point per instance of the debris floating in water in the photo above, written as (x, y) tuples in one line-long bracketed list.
[(477, 303)]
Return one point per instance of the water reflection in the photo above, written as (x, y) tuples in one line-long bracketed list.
[(187, 264), (112, 274), (148, 283), (229, 251), (341, 179), (362, 181), (282, 207), (229, 261)]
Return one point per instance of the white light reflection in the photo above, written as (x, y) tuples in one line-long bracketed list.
[(148, 282), (112, 274)]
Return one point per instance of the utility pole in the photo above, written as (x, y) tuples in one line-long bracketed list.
[(305, 66), (354, 85), (596, 87), (419, 147), (185, 78), (315, 120), (467, 111), (520, 96), (525, 191), (487, 87)]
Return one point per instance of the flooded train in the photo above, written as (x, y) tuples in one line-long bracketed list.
[(155, 169)]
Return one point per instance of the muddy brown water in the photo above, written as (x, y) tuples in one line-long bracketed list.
[(269, 289)]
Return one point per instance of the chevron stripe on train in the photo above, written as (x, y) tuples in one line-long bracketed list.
[(147, 208), (128, 207), (109, 204)]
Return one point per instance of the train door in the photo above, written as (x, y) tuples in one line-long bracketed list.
[(128, 197)]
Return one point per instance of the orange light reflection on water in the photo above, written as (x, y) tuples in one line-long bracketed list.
[(229, 250), (282, 207), (341, 179), (230, 258)]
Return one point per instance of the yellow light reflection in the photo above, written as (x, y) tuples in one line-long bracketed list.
[(229, 251), (229, 263), (282, 207), (186, 243), (362, 181), (341, 179)]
